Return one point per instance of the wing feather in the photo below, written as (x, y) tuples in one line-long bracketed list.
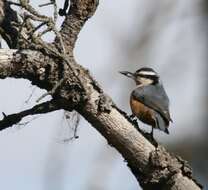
[(155, 97)]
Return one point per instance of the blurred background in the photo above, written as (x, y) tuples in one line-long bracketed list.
[(169, 36)]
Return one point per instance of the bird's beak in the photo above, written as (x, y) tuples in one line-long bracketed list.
[(127, 74)]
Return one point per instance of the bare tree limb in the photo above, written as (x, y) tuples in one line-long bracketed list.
[(79, 12), (7, 29), (153, 166), (142, 157), (15, 118)]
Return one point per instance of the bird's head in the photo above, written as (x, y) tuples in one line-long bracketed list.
[(143, 76)]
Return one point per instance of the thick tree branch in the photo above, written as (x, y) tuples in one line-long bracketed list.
[(28, 64), (153, 166), (79, 12), (142, 157)]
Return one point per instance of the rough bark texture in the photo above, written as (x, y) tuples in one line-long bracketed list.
[(152, 165), (7, 30)]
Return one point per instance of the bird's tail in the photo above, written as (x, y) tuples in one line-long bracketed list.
[(161, 124)]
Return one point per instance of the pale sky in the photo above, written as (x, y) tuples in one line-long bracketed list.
[(33, 157)]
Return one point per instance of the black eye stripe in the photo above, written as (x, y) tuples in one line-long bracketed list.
[(147, 76)]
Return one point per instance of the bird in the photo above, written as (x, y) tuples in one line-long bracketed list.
[(149, 101)]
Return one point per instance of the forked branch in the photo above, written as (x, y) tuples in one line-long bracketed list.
[(45, 65)]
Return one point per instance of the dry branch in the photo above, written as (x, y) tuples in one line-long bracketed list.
[(42, 108), (7, 29), (152, 165)]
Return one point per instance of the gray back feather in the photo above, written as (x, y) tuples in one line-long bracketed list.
[(155, 97)]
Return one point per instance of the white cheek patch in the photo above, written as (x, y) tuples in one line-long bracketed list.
[(145, 81), (147, 73)]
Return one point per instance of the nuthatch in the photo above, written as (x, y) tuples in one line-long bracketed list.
[(149, 101)]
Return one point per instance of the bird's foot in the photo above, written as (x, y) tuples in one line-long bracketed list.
[(132, 116), (150, 137), (151, 133), (133, 119)]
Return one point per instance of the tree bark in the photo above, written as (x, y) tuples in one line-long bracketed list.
[(151, 164)]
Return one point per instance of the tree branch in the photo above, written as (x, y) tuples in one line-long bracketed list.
[(28, 64), (62, 12), (7, 30), (142, 157), (15, 118), (79, 12), (153, 166)]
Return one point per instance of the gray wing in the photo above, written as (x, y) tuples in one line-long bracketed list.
[(155, 97)]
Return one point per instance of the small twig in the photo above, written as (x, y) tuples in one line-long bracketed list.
[(53, 2), (44, 32), (59, 37), (31, 10), (30, 96), (73, 116), (40, 18), (62, 12), (14, 3), (72, 120), (45, 4), (36, 39), (52, 91), (27, 122), (21, 28), (38, 27), (51, 27), (55, 14)]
